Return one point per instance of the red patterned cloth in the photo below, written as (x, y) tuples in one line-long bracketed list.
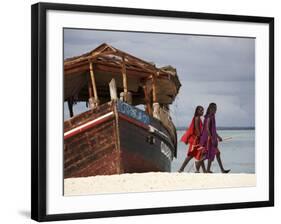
[(190, 137)]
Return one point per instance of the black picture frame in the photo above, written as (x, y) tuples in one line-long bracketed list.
[(38, 109)]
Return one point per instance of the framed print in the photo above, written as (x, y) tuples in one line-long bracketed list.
[(140, 111)]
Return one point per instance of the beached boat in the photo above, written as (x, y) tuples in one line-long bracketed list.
[(114, 136)]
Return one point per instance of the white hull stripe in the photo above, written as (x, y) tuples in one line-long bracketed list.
[(87, 125)]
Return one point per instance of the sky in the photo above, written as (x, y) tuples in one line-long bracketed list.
[(210, 68)]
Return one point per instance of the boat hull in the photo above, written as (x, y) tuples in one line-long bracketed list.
[(115, 138), (138, 153)]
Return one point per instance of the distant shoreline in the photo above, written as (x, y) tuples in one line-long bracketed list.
[(223, 128)]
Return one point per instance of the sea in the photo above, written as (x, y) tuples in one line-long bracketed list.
[(237, 152)]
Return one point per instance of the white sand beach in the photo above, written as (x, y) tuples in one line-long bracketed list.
[(154, 181)]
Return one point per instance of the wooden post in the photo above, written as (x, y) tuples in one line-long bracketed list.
[(125, 81), (154, 94), (113, 89), (156, 106), (90, 89), (96, 100), (147, 100), (91, 98), (70, 107)]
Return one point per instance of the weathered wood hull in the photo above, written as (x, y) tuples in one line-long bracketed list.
[(115, 138)]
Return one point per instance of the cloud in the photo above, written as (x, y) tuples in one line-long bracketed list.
[(235, 101)]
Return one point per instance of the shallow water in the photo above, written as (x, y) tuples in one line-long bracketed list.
[(238, 153)]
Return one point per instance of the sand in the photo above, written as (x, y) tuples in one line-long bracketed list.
[(154, 181)]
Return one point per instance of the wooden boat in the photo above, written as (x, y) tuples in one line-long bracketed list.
[(113, 135)]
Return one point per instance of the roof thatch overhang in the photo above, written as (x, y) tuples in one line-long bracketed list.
[(107, 63)]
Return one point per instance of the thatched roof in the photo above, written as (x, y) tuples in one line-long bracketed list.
[(107, 62)]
